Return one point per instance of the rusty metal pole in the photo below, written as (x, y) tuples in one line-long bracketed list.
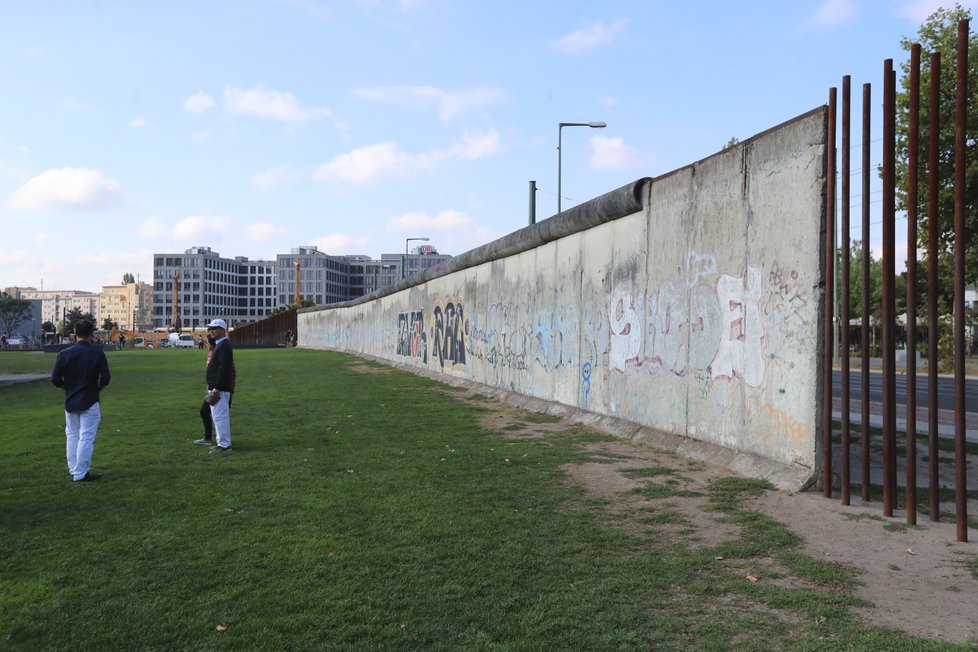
[(864, 334), (844, 305), (960, 135), (829, 339), (913, 145), (889, 357), (933, 176)]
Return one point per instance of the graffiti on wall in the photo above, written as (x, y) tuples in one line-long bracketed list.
[(412, 341), (691, 324), (448, 334)]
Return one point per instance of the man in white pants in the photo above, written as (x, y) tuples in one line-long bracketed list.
[(220, 383), (82, 371)]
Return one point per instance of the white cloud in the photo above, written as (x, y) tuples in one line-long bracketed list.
[(42, 237), (138, 122), (340, 244), (268, 103), (79, 105), (152, 228), (589, 37), (199, 103), (448, 105), (607, 101), (832, 13), (613, 154), (194, 229), (66, 189), (273, 177), (475, 146), (443, 221), (200, 229), (261, 231), (917, 11), (370, 164), (373, 163)]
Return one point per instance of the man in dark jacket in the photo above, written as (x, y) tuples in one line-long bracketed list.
[(82, 371), (220, 383)]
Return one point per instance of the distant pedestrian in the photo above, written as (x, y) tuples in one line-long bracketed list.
[(122, 341), (288, 338), (82, 371), (220, 376)]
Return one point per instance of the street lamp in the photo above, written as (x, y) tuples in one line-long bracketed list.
[(592, 125), (406, 245)]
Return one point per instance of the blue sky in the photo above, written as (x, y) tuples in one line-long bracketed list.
[(252, 127)]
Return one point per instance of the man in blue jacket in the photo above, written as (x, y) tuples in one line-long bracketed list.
[(82, 371)]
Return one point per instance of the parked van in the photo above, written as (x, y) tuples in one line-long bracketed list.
[(139, 342), (182, 341)]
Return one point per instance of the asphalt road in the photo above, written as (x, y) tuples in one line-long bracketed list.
[(945, 389)]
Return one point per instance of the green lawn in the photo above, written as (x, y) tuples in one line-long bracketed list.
[(363, 511)]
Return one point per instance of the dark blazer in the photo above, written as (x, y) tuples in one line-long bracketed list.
[(82, 371), (220, 370)]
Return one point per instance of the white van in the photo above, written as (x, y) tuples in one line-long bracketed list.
[(182, 340), (139, 342)]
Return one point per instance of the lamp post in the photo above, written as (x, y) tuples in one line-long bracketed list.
[(407, 243), (592, 125)]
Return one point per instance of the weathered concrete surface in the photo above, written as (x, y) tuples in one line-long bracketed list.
[(688, 304)]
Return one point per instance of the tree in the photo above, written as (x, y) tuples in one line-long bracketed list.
[(108, 324), (13, 312), (939, 34), (128, 278), (72, 317)]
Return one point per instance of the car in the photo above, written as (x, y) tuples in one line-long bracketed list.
[(182, 341), (15, 342), (139, 343)]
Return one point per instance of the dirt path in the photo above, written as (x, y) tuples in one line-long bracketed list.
[(914, 575)]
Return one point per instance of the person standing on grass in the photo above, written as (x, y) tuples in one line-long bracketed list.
[(205, 407), (82, 371), (220, 383)]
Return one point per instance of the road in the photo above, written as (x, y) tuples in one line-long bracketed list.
[(945, 389)]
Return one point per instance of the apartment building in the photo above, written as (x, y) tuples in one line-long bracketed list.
[(129, 305), (55, 304)]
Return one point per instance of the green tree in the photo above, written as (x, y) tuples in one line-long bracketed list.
[(939, 34), (72, 317), (128, 278), (108, 324), (13, 312)]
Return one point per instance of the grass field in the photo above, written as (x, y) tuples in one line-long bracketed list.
[(364, 508)]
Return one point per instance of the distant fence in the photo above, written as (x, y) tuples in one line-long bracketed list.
[(859, 462), (271, 331)]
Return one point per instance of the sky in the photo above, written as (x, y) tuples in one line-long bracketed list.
[(255, 126)]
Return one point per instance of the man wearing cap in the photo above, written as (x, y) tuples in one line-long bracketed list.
[(220, 383)]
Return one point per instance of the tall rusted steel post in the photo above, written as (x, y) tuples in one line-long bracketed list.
[(844, 304), (864, 333), (960, 179), (913, 145), (933, 177), (829, 339), (887, 316)]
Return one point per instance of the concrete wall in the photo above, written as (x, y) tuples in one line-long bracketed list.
[(688, 303)]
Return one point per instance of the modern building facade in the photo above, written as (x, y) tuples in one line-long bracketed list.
[(240, 290), (192, 288)]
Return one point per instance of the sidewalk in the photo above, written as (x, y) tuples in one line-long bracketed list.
[(10, 379), (945, 418)]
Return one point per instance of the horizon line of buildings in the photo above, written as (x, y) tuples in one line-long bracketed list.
[(207, 286)]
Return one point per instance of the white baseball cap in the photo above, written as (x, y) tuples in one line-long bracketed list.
[(218, 323)]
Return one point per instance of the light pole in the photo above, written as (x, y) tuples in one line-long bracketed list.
[(407, 243), (592, 125)]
